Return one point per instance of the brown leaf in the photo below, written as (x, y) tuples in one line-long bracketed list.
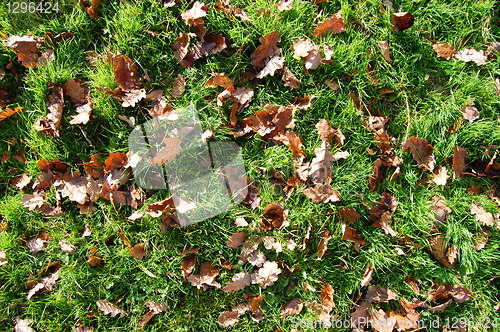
[(115, 160), (232, 11), (274, 64), (179, 86), (292, 307), (274, 217), (441, 211), (206, 278), (66, 247), (440, 176), (326, 296), (320, 167), (138, 251), (221, 80), (171, 150), (301, 48), (384, 47), (470, 112), (181, 46), (109, 308), (228, 318), (348, 215), (444, 50), (188, 265), (3, 261), (439, 250), (236, 239), (459, 161), (413, 283), (50, 125), (26, 48), (8, 112), (284, 5), (323, 243), (376, 176), (47, 283), (482, 216), (289, 78), (23, 325), (332, 85), (322, 192), (367, 276), (349, 234), (402, 21), (197, 11), (421, 151), (325, 130), (94, 260), (92, 9), (266, 49), (381, 322), (240, 281), (334, 24), (267, 275), (125, 71), (470, 54), (379, 295)]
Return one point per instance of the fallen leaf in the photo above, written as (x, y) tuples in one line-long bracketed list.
[(348, 215), (326, 296), (47, 283), (440, 176), (323, 243), (267, 275), (8, 112), (413, 283), (482, 216), (179, 86), (321, 192), (138, 251), (379, 295), (349, 234), (188, 265), (459, 161), (154, 309), (292, 307), (441, 210), (197, 11), (470, 54), (23, 325), (3, 261), (232, 11), (26, 48), (334, 24), (332, 85), (289, 78), (206, 278), (66, 247), (421, 151), (228, 318), (50, 125), (266, 49), (470, 112), (272, 65), (92, 9), (274, 217), (439, 250), (94, 260), (239, 281), (367, 276), (109, 308), (284, 5), (444, 50), (168, 152), (384, 47), (236, 239), (402, 21), (301, 48)]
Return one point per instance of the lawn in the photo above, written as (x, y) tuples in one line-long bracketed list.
[(406, 159)]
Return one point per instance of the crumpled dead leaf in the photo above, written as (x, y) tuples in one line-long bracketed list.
[(109, 308)]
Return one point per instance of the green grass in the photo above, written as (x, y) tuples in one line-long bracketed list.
[(431, 92)]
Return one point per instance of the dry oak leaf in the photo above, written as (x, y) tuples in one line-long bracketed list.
[(26, 48), (109, 308), (470, 54), (50, 125), (322, 192), (381, 321), (239, 281), (402, 21), (154, 309), (47, 283), (335, 24), (444, 50), (332, 84), (440, 209), (267, 275), (8, 112), (301, 48), (285, 5), (323, 243), (378, 295), (228, 318), (236, 239), (188, 264), (138, 251), (251, 253), (384, 47), (440, 250), (272, 65), (179, 86), (274, 217), (266, 49), (482, 216), (92, 8), (21, 181), (125, 72), (197, 11), (206, 278), (325, 130), (23, 325), (459, 161), (66, 247), (421, 151), (326, 296), (94, 260), (349, 234), (220, 79), (289, 78), (292, 307), (348, 215), (3, 261), (232, 11), (367, 276), (171, 150), (470, 112), (440, 176)]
